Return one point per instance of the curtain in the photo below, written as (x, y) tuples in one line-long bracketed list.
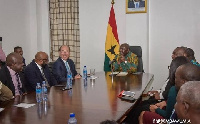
[(64, 28)]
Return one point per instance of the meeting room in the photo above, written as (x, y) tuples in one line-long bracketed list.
[(99, 62)]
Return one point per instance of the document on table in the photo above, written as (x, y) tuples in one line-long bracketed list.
[(122, 74), (93, 77), (115, 73), (24, 105)]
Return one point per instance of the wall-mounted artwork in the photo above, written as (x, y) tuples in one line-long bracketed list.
[(136, 6)]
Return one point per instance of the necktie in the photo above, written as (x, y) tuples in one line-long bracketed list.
[(43, 75), (137, 5), (18, 84), (67, 67)]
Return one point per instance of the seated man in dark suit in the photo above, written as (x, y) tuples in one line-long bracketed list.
[(19, 50), (38, 71), (10, 74), (62, 64)]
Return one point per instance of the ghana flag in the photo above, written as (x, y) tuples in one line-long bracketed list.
[(112, 41)]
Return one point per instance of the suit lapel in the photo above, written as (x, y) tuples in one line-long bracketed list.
[(37, 70), (9, 79), (63, 65)]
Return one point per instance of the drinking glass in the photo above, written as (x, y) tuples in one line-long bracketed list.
[(92, 73)]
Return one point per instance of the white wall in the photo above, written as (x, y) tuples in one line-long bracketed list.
[(24, 23), (14, 24)]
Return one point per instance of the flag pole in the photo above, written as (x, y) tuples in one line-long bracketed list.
[(113, 2)]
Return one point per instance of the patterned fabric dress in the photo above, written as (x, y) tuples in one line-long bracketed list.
[(129, 65), (195, 62)]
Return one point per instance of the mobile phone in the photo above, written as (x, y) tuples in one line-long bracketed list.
[(127, 98), (128, 93), (63, 89)]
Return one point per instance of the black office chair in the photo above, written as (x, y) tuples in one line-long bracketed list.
[(50, 64), (138, 51)]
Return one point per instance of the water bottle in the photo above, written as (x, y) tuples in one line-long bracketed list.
[(84, 72), (44, 91), (38, 93), (72, 119), (85, 84)]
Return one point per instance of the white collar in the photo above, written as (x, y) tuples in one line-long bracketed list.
[(40, 67), (64, 60)]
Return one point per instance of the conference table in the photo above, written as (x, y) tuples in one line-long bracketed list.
[(92, 101)]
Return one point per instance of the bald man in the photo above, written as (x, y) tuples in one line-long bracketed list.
[(10, 74), (38, 71), (188, 102), (62, 64)]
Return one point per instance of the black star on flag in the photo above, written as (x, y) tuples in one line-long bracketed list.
[(112, 50)]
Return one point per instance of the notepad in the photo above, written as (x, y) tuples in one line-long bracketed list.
[(122, 74), (24, 105)]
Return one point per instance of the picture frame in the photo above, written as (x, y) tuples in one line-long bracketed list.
[(136, 6)]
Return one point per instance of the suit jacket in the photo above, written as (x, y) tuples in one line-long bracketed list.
[(6, 79), (34, 76), (60, 71)]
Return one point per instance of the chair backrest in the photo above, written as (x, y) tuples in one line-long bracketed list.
[(50, 64), (138, 51)]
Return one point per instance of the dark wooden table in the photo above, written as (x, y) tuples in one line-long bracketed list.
[(92, 102)]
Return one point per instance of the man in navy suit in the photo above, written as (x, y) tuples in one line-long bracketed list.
[(38, 71), (11, 76), (62, 63), (136, 4)]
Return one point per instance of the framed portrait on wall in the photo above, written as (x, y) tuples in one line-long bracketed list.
[(136, 6)]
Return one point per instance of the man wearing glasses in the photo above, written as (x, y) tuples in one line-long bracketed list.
[(38, 71)]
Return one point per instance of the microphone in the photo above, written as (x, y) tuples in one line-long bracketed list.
[(111, 62)]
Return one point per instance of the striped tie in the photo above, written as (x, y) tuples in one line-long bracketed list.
[(67, 67), (43, 75), (18, 85), (137, 5)]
